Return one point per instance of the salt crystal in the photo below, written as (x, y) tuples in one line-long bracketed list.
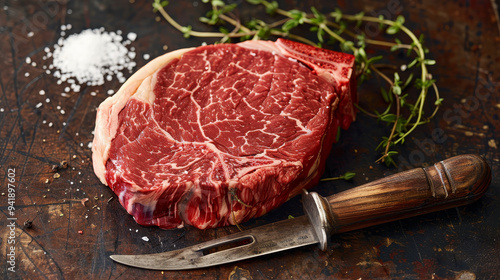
[(58, 107), (63, 112), (146, 56), (89, 145), (2, 110), (30, 34), (131, 36), (28, 60), (39, 105), (145, 238), (41, 92), (47, 100), (51, 124), (93, 93), (110, 92), (26, 74), (33, 64)]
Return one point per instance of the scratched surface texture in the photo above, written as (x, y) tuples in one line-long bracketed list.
[(71, 240)]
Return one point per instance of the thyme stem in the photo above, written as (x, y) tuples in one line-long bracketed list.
[(181, 28)]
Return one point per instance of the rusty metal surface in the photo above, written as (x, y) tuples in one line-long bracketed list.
[(71, 240)]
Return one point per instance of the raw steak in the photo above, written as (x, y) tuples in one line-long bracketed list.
[(216, 135)]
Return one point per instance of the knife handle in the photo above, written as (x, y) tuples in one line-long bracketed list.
[(450, 183)]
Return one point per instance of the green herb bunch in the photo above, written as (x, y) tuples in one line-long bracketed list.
[(337, 28)]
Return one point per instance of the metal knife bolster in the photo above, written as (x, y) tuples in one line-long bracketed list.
[(320, 215)]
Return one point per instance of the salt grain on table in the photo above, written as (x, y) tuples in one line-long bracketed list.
[(132, 36)]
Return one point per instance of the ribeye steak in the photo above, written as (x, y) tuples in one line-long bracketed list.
[(218, 134)]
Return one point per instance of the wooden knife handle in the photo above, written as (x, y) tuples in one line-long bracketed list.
[(450, 183)]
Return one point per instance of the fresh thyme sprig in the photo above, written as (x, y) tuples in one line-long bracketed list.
[(343, 30), (346, 176)]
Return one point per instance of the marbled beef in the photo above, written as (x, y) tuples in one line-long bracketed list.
[(218, 134)]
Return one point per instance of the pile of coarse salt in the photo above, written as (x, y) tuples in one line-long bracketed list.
[(90, 57)]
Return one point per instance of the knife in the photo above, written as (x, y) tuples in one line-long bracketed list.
[(450, 183)]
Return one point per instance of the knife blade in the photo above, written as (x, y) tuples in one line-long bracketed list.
[(450, 183)]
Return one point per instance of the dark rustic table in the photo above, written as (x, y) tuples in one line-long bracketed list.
[(71, 240)]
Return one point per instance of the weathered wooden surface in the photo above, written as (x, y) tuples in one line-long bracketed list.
[(463, 36)]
